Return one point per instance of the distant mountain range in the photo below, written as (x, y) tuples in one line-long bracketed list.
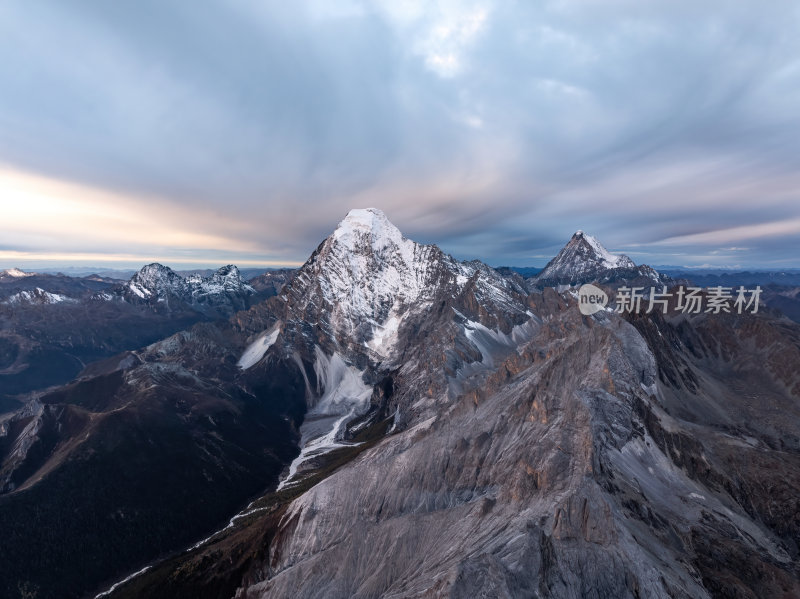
[(216, 293), (121, 274), (387, 421), (52, 326)]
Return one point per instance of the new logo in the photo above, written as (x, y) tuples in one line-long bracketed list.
[(591, 299)]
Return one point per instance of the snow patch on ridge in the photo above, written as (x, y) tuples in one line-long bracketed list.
[(138, 290), (256, 350), (126, 580), (494, 343), (38, 296), (384, 336)]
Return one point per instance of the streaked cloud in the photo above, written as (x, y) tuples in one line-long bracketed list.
[(741, 233), (247, 129), (47, 219)]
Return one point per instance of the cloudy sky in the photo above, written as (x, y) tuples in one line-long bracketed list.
[(201, 133)]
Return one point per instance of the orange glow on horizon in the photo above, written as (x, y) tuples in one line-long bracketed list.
[(65, 222)]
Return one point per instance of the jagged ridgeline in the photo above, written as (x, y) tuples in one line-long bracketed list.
[(396, 423)]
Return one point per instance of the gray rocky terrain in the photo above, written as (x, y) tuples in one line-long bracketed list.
[(504, 445)]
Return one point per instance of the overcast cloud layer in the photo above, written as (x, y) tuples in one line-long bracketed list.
[(245, 130)]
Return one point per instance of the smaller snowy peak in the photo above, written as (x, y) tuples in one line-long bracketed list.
[(584, 259), (227, 277), (229, 271), (155, 273), (600, 253), (156, 280), (14, 273), (226, 273), (38, 297), (226, 280), (222, 293)]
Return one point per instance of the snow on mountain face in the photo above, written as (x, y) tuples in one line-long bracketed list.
[(38, 297), (390, 271), (256, 350), (225, 281), (367, 248), (357, 304), (608, 260), (366, 277), (341, 394), (583, 258), (158, 282)]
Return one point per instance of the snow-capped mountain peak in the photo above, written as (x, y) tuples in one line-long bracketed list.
[(225, 281), (584, 259), (366, 278), (581, 259), (221, 293), (600, 253), (15, 273), (366, 270), (370, 225), (156, 280), (227, 278)]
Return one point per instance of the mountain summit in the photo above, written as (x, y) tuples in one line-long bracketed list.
[(370, 224), (156, 280), (366, 278), (221, 294), (584, 259)]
